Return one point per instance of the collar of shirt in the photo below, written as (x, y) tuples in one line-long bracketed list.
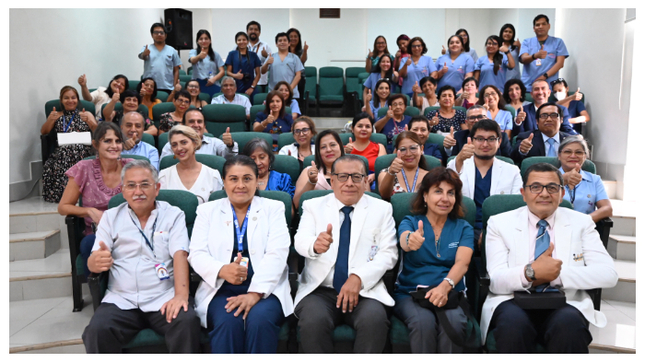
[(254, 48), (205, 140), (546, 143), (153, 215), (339, 206)]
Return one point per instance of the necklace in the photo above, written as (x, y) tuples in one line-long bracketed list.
[(437, 239)]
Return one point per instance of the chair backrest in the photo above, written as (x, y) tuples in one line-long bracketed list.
[(528, 97), (289, 165), (331, 86), (212, 161), (182, 199), (435, 139), (362, 77), (205, 97), (587, 166), (283, 197), (402, 203), (321, 193), (183, 78), (253, 113), (382, 162), (162, 108), (189, 70), (427, 110), (162, 95), (286, 138), (310, 158), (87, 105), (311, 74), (351, 80), (149, 139), (259, 98), (132, 84), (242, 138), (510, 109), (182, 72), (219, 117), (500, 157), (375, 137)]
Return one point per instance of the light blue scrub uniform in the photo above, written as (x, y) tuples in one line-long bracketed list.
[(456, 70), (205, 69), (585, 195), (554, 47), (515, 72), (424, 67), (487, 74), (285, 70), (160, 65), (504, 119)]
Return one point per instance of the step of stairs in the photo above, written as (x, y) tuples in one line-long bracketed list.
[(622, 247), (36, 215), (33, 245), (625, 290), (41, 278)]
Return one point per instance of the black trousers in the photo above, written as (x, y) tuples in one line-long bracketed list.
[(516, 330), (111, 328), (318, 316)]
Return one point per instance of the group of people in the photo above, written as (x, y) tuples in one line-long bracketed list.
[(347, 238)]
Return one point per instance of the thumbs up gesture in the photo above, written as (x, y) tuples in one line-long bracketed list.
[(101, 259), (521, 116), (435, 120), (416, 88), (234, 273), (146, 52), (312, 173), (449, 140), (572, 177), (82, 81), (397, 164), (546, 267), (370, 53), (526, 144), (408, 61), (349, 147), (416, 238), (324, 240), (264, 52), (270, 59), (53, 116), (503, 48), (467, 151), (116, 97), (443, 50), (227, 137), (305, 48), (203, 53), (368, 96), (517, 43), (578, 95), (390, 113), (84, 116), (130, 143), (541, 53), (177, 87), (444, 70)]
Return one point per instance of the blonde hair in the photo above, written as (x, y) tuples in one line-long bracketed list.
[(188, 132)]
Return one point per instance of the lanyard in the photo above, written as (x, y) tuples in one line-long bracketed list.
[(405, 179), (71, 118), (150, 243), (238, 232), (572, 196)]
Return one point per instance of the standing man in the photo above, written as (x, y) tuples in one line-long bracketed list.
[(544, 141), (143, 243), (526, 120), (132, 129), (539, 246), (160, 61), (542, 56), (454, 141), (284, 66), (348, 241), (262, 49), (194, 119)]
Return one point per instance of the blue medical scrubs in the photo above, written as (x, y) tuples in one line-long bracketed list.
[(587, 193), (424, 67), (554, 47), (487, 74), (456, 70)]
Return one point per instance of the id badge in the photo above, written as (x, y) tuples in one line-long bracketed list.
[(244, 262), (162, 272), (538, 62), (373, 251)]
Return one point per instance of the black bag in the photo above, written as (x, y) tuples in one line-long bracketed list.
[(531, 300), (455, 299)]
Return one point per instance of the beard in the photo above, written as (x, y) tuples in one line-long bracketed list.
[(484, 157), (253, 37)]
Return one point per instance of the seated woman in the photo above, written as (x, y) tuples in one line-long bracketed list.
[(382, 92), (189, 174), (317, 176), (244, 294), (493, 101), (394, 121), (169, 119), (455, 66), (362, 126), (382, 71), (442, 266), (268, 179), (573, 103), (468, 96), (416, 66), (193, 89), (514, 94), (409, 165), (96, 181), (427, 86), (421, 126), (147, 89), (380, 51), (103, 95), (273, 120), (130, 101), (69, 119), (304, 131), (583, 189), (491, 69), (446, 116), (287, 96)]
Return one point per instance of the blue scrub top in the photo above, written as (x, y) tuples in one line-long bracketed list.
[(160, 65), (515, 72), (246, 64), (423, 267), (284, 70), (504, 119), (589, 191), (280, 182), (207, 67), (371, 81), (554, 47), (424, 67), (456, 70), (487, 74)]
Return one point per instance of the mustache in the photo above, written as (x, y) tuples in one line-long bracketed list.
[(139, 197)]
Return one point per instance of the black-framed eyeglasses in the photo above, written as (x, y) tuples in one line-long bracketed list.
[(476, 117), (302, 131), (356, 177), (481, 140), (551, 188), (553, 116)]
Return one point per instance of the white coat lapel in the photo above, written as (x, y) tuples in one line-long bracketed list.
[(254, 217), (522, 237), (332, 216), (358, 220), (496, 169), (562, 233), (224, 231), (469, 174)]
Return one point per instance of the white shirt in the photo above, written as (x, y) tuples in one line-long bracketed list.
[(294, 150), (133, 282), (257, 48), (210, 146), (237, 100), (208, 181)]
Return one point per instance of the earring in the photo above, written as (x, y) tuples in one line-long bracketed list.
[(174, 156)]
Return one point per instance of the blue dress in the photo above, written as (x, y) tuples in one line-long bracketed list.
[(281, 182)]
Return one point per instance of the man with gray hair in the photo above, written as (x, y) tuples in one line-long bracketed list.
[(143, 243), (132, 126), (229, 96)]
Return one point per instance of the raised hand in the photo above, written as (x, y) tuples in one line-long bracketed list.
[(435, 120), (390, 113), (577, 95), (370, 53), (397, 164), (349, 147), (101, 259), (444, 70), (526, 144), (521, 116), (146, 52), (323, 241), (397, 54), (53, 116), (227, 137), (416, 88), (443, 50), (82, 81), (130, 143), (116, 97), (572, 177), (313, 173), (177, 87), (85, 116), (305, 48), (408, 61), (517, 43), (541, 53), (368, 96), (416, 238), (264, 53), (467, 151), (204, 53), (449, 140)]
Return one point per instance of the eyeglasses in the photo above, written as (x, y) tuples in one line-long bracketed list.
[(488, 95), (133, 186), (553, 116), (481, 140), (159, 32), (302, 131), (570, 152), (183, 101), (192, 86), (413, 149), (536, 188), (342, 177), (476, 117)]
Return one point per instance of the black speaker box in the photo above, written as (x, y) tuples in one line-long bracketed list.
[(179, 26)]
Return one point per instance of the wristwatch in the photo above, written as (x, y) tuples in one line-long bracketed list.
[(546, 76), (530, 273), (452, 283)]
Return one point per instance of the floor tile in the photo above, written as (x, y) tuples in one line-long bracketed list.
[(62, 327), (629, 309), (32, 309), (620, 330)]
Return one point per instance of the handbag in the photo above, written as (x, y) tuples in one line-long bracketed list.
[(531, 300)]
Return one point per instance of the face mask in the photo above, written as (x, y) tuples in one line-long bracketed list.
[(560, 95)]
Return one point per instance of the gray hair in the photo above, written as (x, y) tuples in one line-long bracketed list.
[(476, 107), (259, 143), (140, 163), (350, 157), (226, 78), (573, 139)]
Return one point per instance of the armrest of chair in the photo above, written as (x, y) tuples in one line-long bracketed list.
[(596, 295), (603, 226), (98, 285), (75, 228), (293, 262), (483, 285)]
